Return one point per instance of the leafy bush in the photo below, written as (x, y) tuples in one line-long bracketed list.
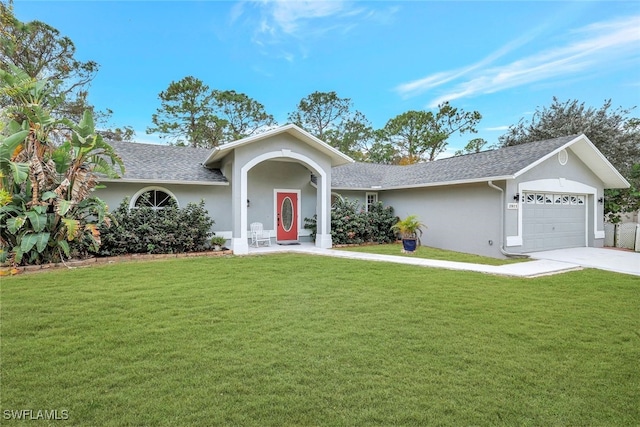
[(381, 218), (48, 171), (350, 224), (156, 231), (619, 201)]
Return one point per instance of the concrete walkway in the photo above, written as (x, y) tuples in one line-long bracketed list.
[(535, 268), (610, 259)]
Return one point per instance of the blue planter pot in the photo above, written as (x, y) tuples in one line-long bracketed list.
[(409, 245)]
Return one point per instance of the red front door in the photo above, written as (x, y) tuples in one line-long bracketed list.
[(287, 217)]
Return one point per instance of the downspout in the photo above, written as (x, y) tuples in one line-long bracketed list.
[(502, 249)]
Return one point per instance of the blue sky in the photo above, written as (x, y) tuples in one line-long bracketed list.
[(501, 58)]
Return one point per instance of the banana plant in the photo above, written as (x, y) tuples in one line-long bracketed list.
[(47, 210)]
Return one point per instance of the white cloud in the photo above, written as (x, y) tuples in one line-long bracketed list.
[(497, 128), (236, 11), (419, 86), (281, 19), (289, 16), (593, 47), (281, 22)]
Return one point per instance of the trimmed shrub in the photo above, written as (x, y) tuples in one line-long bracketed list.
[(350, 224), (380, 220), (156, 231)]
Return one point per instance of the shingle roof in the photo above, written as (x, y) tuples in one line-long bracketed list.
[(165, 163), (484, 165)]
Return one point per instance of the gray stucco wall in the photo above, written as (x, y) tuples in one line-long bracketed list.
[(464, 218), (217, 198), (574, 170)]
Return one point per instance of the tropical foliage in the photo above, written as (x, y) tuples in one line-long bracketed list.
[(166, 230), (351, 224), (619, 201), (47, 210), (409, 228)]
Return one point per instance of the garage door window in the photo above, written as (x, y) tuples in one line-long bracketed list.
[(554, 199), (543, 199)]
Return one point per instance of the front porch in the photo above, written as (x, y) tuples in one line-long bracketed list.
[(270, 179)]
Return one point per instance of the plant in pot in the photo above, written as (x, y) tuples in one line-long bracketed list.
[(410, 230), (217, 242)]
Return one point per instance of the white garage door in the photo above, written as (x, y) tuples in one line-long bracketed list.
[(553, 221)]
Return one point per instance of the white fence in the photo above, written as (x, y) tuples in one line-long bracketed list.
[(624, 235)]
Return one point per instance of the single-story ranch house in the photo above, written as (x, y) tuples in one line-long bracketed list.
[(531, 197)]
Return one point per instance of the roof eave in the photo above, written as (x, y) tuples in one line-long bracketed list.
[(160, 181), (429, 184)]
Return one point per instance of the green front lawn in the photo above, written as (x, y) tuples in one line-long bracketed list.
[(299, 340), (431, 253)]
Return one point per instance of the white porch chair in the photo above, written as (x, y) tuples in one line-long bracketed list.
[(259, 235)]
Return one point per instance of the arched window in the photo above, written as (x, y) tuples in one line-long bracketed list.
[(153, 197)]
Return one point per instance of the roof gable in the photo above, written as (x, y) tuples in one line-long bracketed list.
[(589, 154), (337, 158)]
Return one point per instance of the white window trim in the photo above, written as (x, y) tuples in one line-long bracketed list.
[(134, 198), (563, 157), (366, 199)]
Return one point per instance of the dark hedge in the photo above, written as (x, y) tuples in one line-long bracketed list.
[(156, 231)]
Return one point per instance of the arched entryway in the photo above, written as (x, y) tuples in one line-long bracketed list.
[(322, 202)]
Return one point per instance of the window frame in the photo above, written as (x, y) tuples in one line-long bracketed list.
[(366, 199), (139, 193)]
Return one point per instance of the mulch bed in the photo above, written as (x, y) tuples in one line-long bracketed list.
[(75, 263), (115, 259)]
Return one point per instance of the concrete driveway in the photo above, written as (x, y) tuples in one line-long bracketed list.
[(620, 261)]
